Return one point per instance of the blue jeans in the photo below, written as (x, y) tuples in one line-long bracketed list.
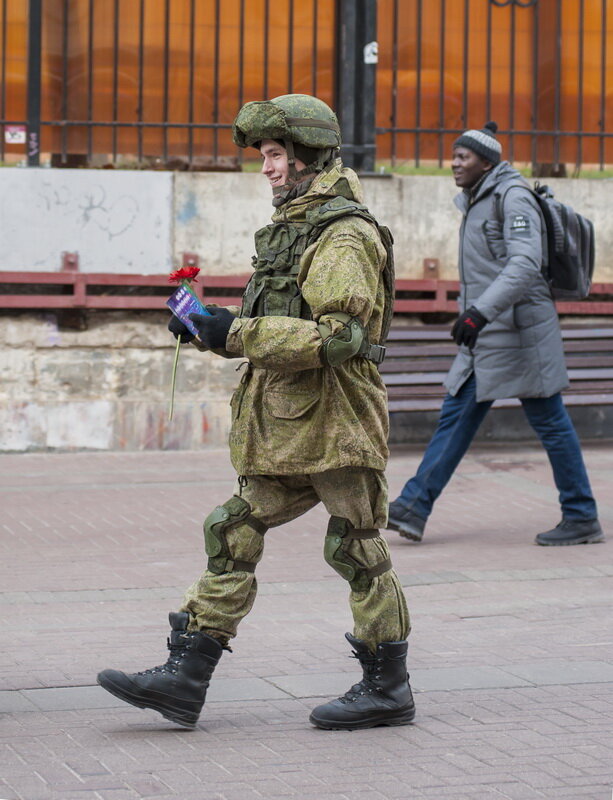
[(460, 419)]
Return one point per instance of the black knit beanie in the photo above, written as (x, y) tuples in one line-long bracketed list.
[(482, 142)]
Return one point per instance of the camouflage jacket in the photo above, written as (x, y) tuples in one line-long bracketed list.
[(290, 413)]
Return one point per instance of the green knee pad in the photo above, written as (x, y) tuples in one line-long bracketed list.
[(232, 513), (336, 546)]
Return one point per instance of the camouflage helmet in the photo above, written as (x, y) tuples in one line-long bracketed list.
[(298, 118)]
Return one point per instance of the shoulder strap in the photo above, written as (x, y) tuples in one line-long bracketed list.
[(501, 192), (340, 207)]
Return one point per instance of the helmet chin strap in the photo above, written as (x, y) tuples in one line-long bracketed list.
[(294, 176)]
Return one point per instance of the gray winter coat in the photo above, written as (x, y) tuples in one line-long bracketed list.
[(519, 353)]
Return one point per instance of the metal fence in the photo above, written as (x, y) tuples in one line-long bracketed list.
[(540, 68), (158, 82)]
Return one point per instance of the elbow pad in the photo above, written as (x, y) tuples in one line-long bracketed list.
[(351, 340)]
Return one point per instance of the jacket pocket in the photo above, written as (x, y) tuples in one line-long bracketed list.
[(291, 395), (492, 230)]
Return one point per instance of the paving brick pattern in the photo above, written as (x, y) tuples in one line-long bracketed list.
[(511, 651)]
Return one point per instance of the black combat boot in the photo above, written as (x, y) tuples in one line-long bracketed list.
[(404, 521), (177, 689), (382, 697)]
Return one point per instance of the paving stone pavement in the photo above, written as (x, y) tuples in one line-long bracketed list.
[(511, 652)]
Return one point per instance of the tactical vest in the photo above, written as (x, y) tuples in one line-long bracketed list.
[(273, 288)]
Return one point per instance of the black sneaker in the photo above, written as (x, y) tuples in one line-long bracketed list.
[(405, 522), (572, 531)]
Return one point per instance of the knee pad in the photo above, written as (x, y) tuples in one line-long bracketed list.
[(231, 514), (339, 535)]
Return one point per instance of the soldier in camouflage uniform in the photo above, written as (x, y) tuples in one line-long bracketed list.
[(309, 424)]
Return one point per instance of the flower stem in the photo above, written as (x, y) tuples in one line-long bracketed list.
[(174, 379)]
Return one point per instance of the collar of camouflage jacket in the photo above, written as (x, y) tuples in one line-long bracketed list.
[(337, 181)]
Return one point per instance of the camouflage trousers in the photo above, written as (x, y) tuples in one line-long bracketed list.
[(218, 602)]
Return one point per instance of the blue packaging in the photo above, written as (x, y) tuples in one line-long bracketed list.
[(184, 302)]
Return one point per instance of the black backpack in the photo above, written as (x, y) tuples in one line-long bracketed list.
[(570, 245)]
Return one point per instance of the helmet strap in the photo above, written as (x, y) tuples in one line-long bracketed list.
[(294, 176)]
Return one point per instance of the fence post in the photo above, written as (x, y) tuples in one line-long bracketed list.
[(34, 82), (356, 64)]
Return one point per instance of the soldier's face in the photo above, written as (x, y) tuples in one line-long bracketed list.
[(275, 166), (468, 167)]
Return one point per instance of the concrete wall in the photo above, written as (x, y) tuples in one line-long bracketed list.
[(135, 221), (108, 387), (117, 221)]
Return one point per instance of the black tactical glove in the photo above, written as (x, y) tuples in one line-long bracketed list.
[(213, 329), (467, 327), (179, 331)]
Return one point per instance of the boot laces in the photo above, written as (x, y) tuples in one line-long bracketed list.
[(178, 651), (369, 683)]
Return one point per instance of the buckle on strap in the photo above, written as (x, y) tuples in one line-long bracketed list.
[(221, 565), (375, 353)]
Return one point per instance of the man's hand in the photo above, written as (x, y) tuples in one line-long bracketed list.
[(213, 329), (179, 331), (467, 327)]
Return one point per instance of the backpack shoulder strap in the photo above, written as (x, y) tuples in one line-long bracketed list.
[(501, 191)]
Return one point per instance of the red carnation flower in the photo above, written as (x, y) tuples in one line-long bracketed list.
[(184, 274)]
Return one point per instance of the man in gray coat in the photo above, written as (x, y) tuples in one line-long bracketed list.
[(510, 344)]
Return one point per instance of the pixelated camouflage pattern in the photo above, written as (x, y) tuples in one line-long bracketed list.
[(291, 414), (268, 119), (217, 603)]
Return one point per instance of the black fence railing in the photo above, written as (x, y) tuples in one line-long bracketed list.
[(158, 82), (539, 68)]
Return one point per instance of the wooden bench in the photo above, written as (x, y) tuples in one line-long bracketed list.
[(418, 358)]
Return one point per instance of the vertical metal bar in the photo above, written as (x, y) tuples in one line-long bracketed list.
[(512, 85), (366, 109), (488, 64), (90, 79), (241, 67), (3, 80), (348, 78), (166, 79), (418, 82), (394, 115), (190, 102), (115, 76), (216, 79), (535, 83), (141, 75), (64, 107), (465, 65), (241, 54), (579, 158), (441, 90), (266, 36), (314, 51), (557, 88), (603, 80), (34, 82), (290, 48)]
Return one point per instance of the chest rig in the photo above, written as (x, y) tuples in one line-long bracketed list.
[(273, 289)]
